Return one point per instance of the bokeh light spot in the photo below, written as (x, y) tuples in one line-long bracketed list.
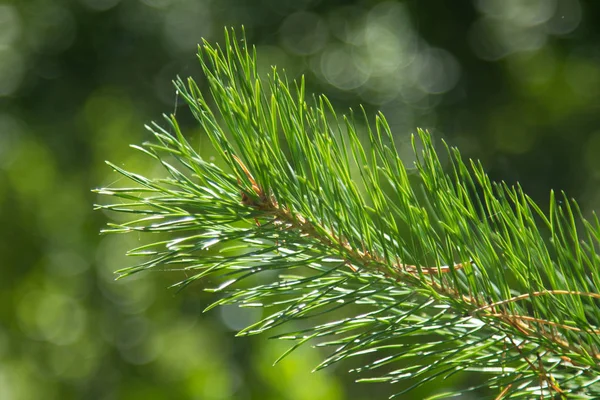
[(52, 316), (60, 319), (186, 23), (438, 71), (10, 25), (509, 26), (51, 28), (339, 68), (237, 318), (389, 38), (520, 12)]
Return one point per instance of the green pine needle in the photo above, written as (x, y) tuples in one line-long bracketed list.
[(417, 274)]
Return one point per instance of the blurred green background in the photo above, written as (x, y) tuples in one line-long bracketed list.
[(515, 83)]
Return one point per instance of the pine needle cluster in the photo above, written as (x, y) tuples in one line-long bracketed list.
[(423, 272)]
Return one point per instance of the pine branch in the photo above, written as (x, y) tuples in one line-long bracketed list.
[(438, 270)]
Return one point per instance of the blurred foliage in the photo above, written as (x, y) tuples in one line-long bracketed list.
[(513, 83)]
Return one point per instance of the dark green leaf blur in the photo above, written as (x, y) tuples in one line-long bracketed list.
[(513, 83)]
